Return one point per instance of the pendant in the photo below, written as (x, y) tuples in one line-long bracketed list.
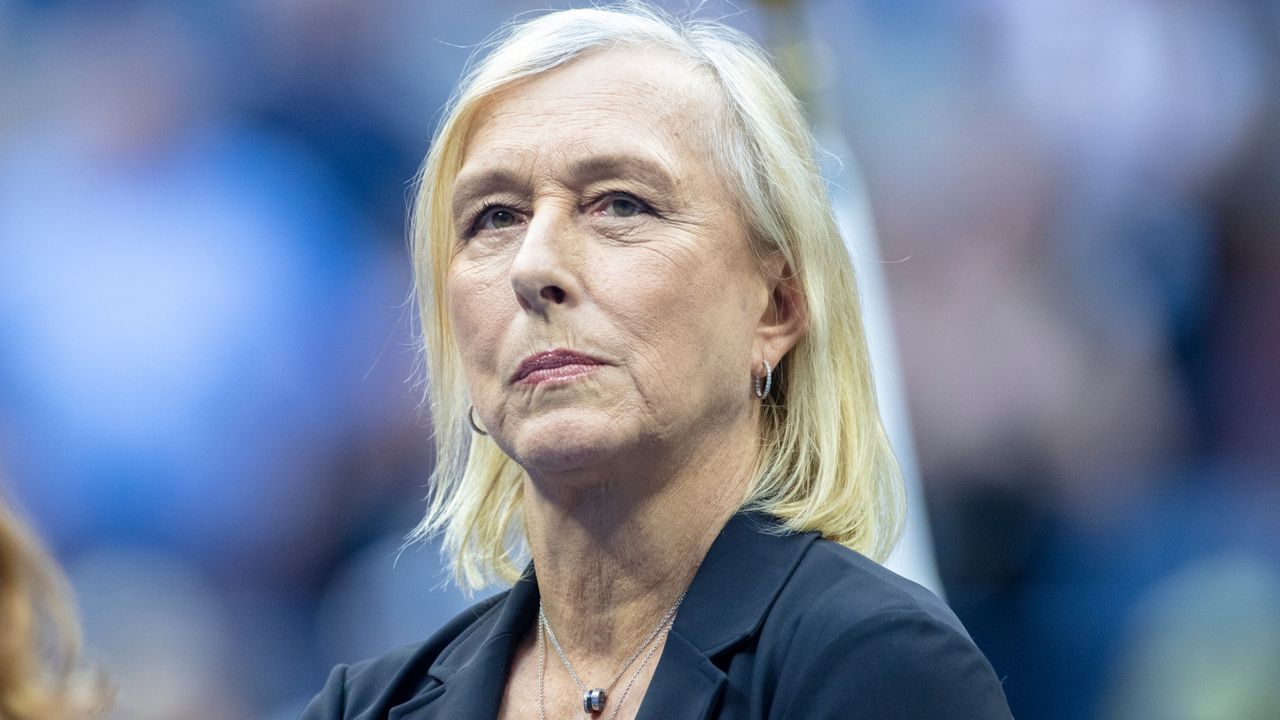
[(593, 700)]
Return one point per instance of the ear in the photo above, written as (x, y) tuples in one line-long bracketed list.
[(785, 318)]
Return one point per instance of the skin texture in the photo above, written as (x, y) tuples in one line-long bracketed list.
[(591, 217)]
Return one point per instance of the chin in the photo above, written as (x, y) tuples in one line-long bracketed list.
[(566, 440)]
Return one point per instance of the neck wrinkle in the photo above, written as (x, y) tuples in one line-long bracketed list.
[(613, 555)]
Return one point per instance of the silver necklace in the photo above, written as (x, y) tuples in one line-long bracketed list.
[(593, 700)]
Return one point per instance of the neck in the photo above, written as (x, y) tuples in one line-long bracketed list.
[(615, 547)]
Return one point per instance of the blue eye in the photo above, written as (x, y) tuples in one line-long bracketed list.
[(495, 218), (622, 206)]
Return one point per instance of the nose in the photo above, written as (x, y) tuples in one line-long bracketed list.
[(542, 271)]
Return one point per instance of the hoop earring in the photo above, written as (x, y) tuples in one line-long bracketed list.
[(471, 418), (762, 392)]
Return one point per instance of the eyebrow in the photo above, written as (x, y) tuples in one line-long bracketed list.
[(468, 187), (636, 168), (581, 172)]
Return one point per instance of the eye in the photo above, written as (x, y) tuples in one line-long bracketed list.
[(494, 217), (497, 218), (621, 205)]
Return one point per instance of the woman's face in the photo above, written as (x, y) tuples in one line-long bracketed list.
[(602, 292)]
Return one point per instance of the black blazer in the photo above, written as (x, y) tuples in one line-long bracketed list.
[(773, 626)]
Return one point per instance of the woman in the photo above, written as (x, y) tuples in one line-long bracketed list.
[(40, 673), (647, 368)]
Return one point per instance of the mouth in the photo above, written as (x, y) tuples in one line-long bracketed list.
[(553, 365)]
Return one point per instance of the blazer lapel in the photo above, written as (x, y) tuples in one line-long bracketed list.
[(472, 678), (474, 691), (685, 684), (735, 586)]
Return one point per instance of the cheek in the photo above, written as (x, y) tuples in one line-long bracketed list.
[(653, 295), (688, 323), (477, 300)]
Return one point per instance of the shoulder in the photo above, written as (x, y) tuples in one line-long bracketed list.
[(851, 631), (837, 586), (370, 687)]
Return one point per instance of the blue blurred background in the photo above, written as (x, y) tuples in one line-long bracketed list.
[(206, 357)]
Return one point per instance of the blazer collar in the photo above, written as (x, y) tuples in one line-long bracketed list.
[(746, 567), (743, 572), (474, 672)]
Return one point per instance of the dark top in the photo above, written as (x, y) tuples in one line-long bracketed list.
[(773, 626)]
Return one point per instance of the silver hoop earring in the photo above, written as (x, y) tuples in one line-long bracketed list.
[(471, 418), (762, 392)]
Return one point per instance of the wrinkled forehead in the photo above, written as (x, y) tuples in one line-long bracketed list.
[(622, 100)]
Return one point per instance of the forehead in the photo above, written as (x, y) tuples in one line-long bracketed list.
[(620, 101)]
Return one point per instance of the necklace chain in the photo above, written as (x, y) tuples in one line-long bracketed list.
[(626, 690), (564, 657), (545, 631), (617, 707)]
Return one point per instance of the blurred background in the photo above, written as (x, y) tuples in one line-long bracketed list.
[(207, 403)]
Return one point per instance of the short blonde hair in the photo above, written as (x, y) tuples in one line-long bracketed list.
[(825, 462)]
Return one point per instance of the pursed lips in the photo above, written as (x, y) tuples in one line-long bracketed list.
[(558, 364)]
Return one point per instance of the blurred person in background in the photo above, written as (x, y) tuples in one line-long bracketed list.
[(181, 399), (647, 364), (42, 675)]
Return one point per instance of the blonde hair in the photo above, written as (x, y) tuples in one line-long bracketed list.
[(825, 462), (41, 677)]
